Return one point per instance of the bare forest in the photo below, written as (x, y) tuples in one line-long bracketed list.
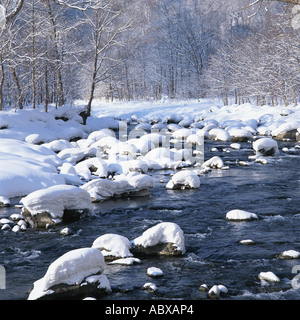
[(54, 52)]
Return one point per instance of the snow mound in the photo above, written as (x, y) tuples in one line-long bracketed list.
[(165, 232), (219, 134), (25, 168), (55, 200), (71, 268), (240, 215), (113, 245), (185, 178)]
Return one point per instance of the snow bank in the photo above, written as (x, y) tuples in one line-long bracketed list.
[(25, 168), (113, 245), (165, 232), (55, 200), (184, 178), (240, 215), (71, 268)]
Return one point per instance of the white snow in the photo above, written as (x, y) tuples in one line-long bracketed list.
[(154, 272), (113, 245), (165, 232), (70, 268), (126, 261), (240, 215), (56, 199), (100, 189), (268, 276), (263, 145), (184, 178), (291, 254), (214, 162)]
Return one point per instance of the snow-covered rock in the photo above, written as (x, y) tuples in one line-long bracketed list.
[(92, 165), (214, 163), (165, 238), (240, 215), (113, 246), (154, 272), (132, 184), (62, 202), (268, 276), (126, 261), (290, 254), (219, 134), (70, 271), (184, 179), (240, 134), (265, 147)]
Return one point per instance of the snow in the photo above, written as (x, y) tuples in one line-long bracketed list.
[(70, 268), (126, 261), (240, 215), (56, 199), (291, 254), (100, 189), (154, 272), (113, 245), (214, 162), (268, 276), (184, 178), (263, 145), (165, 232)]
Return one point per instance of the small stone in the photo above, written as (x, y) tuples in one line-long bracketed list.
[(214, 292)]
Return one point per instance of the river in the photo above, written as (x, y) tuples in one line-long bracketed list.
[(214, 253)]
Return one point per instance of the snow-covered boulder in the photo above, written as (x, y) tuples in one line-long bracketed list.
[(184, 179), (165, 238), (286, 131), (154, 272), (113, 246), (240, 215), (51, 205), (265, 147), (268, 276), (240, 134), (131, 184), (290, 254), (92, 165), (214, 163), (219, 134), (76, 274), (182, 133)]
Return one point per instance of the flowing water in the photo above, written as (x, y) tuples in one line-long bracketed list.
[(214, 254)]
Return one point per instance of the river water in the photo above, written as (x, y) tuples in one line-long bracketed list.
[(214, 253)]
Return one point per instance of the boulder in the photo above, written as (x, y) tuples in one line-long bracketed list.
[(55, 204), (76, 274), (265, 147), (113, 246), (165, 239), (184, 179)]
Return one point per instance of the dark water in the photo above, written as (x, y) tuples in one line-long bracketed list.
[(214, 254)]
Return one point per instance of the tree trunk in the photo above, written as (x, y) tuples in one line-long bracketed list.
[(2, 82), (58, 62), (20, 98)]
